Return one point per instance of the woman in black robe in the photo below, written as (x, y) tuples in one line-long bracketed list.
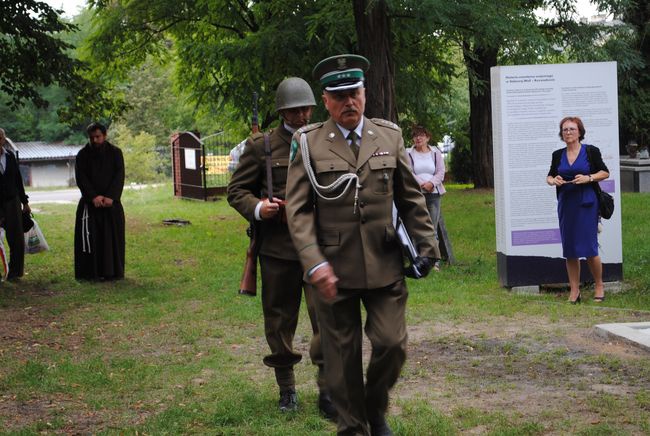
[(99, 225)]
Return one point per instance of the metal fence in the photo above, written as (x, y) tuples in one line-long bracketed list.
[(201, 167), (217, 160)]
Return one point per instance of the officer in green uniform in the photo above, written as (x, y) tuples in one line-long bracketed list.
[(344, 177), (282, 274)]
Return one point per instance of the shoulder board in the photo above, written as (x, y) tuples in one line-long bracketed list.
[(386, 123), (256, 139), (255, 136), (309, 127)]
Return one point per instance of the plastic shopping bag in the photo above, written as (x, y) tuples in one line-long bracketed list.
[(4, 267), (34, 240)]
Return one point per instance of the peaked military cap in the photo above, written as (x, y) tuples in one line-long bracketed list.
[(341, 72)]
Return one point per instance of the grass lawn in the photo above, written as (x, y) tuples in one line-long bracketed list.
[(173, 349)]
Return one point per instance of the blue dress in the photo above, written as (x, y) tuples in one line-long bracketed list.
[(577, 209)]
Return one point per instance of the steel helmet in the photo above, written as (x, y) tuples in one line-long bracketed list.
[(293, 92)]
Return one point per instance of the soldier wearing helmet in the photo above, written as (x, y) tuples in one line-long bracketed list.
[(282, 274)]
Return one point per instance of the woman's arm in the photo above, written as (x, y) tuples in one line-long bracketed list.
[(439, 175)]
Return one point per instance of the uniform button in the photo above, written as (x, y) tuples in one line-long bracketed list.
[(361, 204), (363, 220), (358, 171)]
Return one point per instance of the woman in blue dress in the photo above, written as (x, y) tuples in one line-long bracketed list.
[(574, 172)]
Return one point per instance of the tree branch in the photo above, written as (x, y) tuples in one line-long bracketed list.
[(246, 15), (239, 33)]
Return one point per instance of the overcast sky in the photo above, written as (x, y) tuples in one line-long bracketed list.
[(71, 7)]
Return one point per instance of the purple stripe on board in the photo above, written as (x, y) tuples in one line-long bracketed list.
[(535, 237), (607, 186)]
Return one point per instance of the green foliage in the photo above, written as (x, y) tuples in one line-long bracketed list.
[(141, 162), (632, 50), (225, 51), (32, 123), (173, 65), (461, 155), (36, 56), (33, 55)]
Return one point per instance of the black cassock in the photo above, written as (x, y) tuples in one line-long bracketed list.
[(99, 231)]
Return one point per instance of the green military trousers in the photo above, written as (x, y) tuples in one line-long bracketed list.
[(341, 338), (282, 286)]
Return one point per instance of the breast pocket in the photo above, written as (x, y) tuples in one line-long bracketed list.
[(382, 169), (328, 171), (279, 168)]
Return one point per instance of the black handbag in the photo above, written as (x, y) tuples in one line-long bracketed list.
[(605, 204), (605, 201)]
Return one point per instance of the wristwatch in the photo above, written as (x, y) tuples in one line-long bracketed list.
[(591, 179)]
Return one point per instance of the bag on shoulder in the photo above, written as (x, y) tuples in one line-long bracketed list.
[(605, 204), (34, 240), (605, 200)]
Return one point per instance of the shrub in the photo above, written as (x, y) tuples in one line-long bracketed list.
[(461, 155)]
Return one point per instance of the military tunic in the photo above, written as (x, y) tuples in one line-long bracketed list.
[(362, 247), (282, 274)]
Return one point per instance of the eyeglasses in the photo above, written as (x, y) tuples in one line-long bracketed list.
[(569, 129)]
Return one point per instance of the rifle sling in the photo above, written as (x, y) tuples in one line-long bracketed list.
[(269, 174)]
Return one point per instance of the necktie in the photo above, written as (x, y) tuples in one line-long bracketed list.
[(352, 136)]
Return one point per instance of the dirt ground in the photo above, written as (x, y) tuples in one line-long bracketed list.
[(559, 376), (564, 377)]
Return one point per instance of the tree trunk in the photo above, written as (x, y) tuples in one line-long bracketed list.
[(374, 38), (479, 60)]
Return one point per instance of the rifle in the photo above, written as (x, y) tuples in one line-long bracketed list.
[(255, 125), (248, 283)]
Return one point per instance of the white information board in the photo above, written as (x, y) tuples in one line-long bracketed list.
[(190, 158), (528, 102)]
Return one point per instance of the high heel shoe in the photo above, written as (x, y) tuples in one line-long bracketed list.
[(576, 301)]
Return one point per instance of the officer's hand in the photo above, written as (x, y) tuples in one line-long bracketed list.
[(325, 280), (26, 208), (107, 202), (424, 264), (269, 209)]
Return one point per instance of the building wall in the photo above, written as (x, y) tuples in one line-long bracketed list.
[(53, 173)]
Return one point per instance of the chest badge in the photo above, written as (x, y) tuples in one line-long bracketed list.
[(293, 150)]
